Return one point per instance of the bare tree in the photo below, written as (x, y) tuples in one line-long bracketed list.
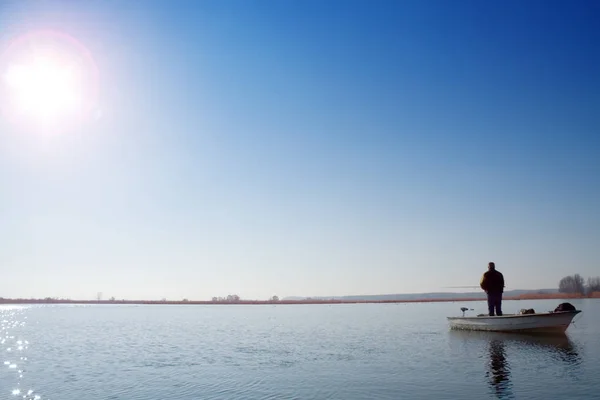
[(593, 284), (232, 298), (572, 284)]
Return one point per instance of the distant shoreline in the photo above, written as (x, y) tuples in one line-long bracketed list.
[(548, 296)]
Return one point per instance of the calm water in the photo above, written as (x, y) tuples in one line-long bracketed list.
[(368, 351)]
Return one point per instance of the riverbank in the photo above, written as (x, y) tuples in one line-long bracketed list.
[(532, 296)]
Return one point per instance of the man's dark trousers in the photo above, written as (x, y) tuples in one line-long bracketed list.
[(494, 303)]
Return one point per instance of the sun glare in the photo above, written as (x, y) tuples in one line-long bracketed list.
[(46, 80), (46, 89)]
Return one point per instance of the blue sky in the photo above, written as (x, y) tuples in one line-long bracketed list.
[(309, 148)]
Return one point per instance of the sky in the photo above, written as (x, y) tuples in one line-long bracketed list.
[(308, 148)]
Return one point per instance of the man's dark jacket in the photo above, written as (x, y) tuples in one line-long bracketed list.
[(492, 282)]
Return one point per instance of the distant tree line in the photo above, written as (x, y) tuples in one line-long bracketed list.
[(575, 284), (231, 298), (234, 298)]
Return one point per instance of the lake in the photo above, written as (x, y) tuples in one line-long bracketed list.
[(343, 351)]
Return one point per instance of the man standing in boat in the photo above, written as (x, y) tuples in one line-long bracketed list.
[(492, 282)]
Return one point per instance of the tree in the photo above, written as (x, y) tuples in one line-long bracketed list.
[(593, 284), (572, 284), (274, 299), (231, 298)]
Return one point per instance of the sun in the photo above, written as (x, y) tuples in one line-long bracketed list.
[(45, 88), (47, 79)]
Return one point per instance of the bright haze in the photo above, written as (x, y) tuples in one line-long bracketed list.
[(192, 149)]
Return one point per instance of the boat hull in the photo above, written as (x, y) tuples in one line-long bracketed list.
[(544, 323)]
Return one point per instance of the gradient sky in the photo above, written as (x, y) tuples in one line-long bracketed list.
[(310, 148)]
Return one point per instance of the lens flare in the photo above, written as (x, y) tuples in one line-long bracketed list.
[(47, 78)]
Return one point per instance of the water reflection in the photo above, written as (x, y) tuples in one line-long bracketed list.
[(12, 319), (559, 347), (498, 371)]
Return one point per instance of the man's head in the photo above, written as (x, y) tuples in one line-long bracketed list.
[(491, 266)]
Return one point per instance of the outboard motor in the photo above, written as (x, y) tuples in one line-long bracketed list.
[(565, 307)]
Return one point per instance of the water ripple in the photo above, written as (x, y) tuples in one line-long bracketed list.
[(13, 322), (260, 353)]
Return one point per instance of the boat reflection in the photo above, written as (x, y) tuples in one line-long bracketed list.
[(557, 346), (498, 371)]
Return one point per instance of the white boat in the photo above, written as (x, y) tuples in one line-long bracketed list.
[(546, 322)]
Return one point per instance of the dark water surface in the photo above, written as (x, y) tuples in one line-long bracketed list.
[(363, 351)]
